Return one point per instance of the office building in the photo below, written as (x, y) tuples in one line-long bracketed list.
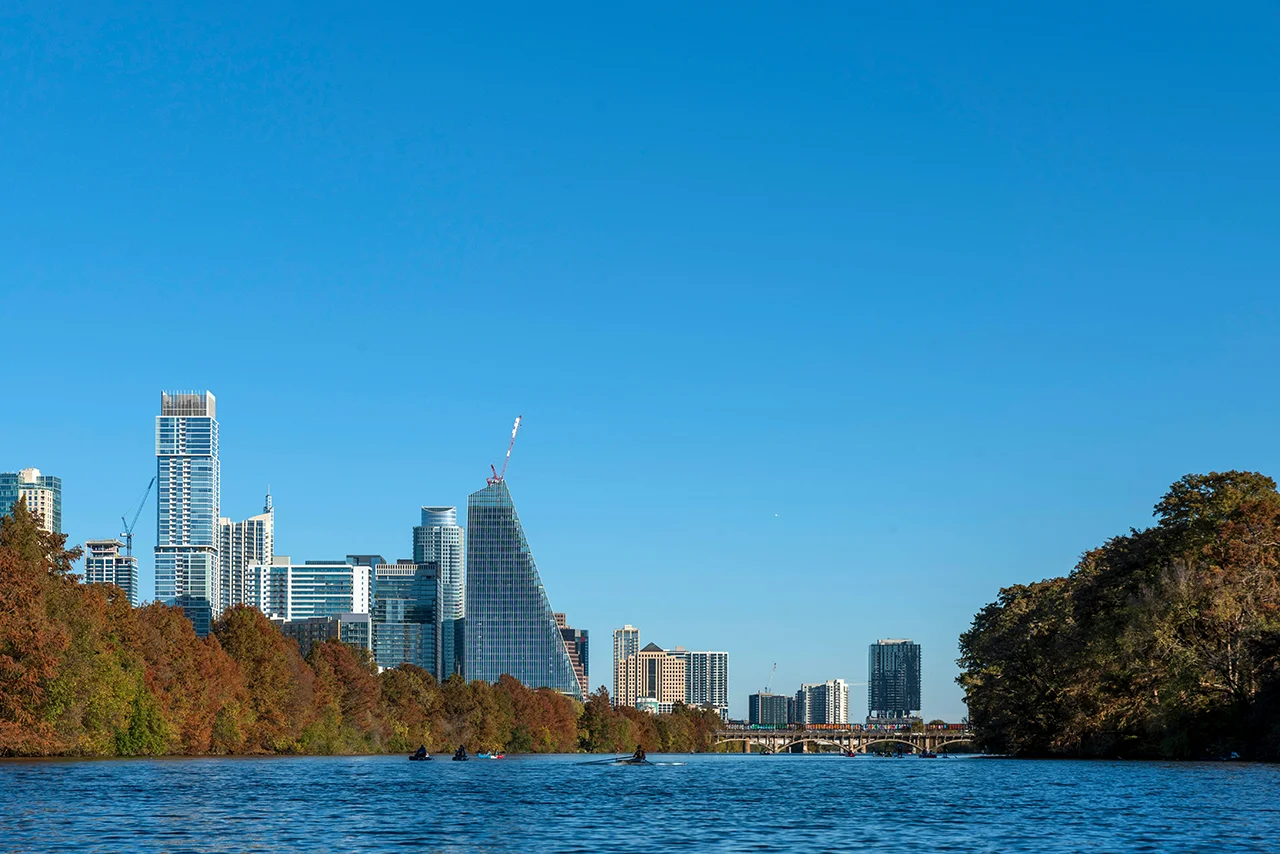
[(240, 546), (41, 493), (352, 629), (510, 626), (822, 703), (188, 490), (626, 642), (765, 709), (103, 564), (653, 673), (406, 615), (893, 681), (707, 680), (439, 540), (655, 707), (575, 643), (314, 588)]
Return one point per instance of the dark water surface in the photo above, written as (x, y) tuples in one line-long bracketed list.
[(713, 803)]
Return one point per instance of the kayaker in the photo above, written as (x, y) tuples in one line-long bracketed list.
[(460, 753), (421, 752)]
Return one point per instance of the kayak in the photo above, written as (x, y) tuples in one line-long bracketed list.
[(491, 756), (413, 757), (460, 758)]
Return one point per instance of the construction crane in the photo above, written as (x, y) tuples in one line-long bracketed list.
[(768, 689), (498, 476), (128, 526)]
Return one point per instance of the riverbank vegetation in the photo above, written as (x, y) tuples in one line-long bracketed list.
[(1163, 642), (84, 674)]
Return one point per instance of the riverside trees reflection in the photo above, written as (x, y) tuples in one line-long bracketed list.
[(83, 673), (1163, 642)]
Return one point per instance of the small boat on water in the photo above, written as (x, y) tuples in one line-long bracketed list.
[(414, 757), (491, 756), (928, 754)]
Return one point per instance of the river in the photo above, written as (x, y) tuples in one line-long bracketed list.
[(710, 803)]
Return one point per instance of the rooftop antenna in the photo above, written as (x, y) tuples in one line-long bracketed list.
[(498, 476), (128, 526)]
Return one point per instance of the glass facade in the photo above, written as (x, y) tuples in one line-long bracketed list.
[(822, 703), (42, 494), (510, 627), (321, 588), (188, 489), (893, 684), (405, 616), (439, 540), (767, 709)]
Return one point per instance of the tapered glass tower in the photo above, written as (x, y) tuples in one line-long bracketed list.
[(188, 489), (439, 540), (510, 627)]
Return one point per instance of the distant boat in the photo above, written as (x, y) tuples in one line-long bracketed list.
[(928, 754), (491, 756)]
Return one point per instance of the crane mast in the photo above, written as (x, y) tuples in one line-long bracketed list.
[(499, 476), (128, 526)]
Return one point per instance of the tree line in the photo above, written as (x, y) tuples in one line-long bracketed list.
[(83, 673), (1163, 642)]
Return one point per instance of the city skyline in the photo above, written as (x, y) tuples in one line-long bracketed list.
[(789, 302)]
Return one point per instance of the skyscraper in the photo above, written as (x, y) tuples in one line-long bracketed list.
[(105, 565), (823, 703), (188, 484), (42, 494), (406, 615), (510, 627), (893, 681), (240, 546), (765, 709), (706, 677), (626, 642), (439, 540), (653, 673)]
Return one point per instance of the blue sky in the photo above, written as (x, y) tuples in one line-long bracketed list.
[(826, 321)]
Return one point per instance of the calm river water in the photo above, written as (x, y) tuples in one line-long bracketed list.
[(712, 803)]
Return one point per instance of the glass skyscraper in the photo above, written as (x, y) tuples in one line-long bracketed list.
[(188, 490), (439, 540), (242, 545), (893, 680), (406, 624), (510, 627), (42, 494)]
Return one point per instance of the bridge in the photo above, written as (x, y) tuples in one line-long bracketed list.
[(851, 739)]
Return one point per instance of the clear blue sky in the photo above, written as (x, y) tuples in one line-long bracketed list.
[(826, 321)]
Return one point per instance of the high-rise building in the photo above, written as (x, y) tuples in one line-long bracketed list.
[(188, 490), (42, 494), (575, 643), (406, 615), (765, 709), (510, 627), (240, 546), (707, 680), (626, 642), (315, 588), (822, 703), (653, 672), (103, 564), (893, 681), (439, 540)]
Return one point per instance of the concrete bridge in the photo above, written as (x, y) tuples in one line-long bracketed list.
[(848, 739)]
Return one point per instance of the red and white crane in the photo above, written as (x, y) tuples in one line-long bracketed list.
[(499, 475)]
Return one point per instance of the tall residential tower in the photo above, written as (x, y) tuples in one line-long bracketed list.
[(893, 681), (188, 499), (240, 546), (42, 494), (439, 540)]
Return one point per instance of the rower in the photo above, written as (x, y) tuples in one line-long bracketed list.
[(639, 755)]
